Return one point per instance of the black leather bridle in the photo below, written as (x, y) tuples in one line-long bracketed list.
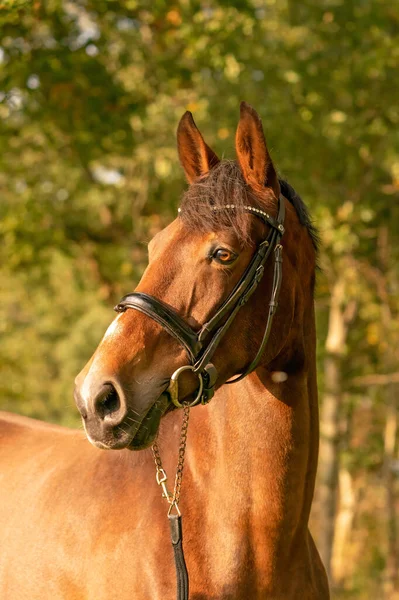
[(194, 342)]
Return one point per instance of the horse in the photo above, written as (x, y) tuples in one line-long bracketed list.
[(79, 523)]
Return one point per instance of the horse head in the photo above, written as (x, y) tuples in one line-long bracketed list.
[(230, 215)]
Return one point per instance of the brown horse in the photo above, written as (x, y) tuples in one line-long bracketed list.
[(81, 524)]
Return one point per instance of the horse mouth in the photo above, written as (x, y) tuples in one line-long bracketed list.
[(147, 431)]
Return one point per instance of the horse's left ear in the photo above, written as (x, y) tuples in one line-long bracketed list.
[(252, 153), (195, 155)]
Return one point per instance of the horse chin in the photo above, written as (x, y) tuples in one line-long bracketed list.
[(108, 444)]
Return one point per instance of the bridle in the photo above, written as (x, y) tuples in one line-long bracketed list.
[(198, 351), (200, 354)]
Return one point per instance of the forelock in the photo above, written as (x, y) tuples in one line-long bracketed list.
[(202, 205)]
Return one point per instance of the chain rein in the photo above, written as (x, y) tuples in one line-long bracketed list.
[(173, 499), (174, 514)]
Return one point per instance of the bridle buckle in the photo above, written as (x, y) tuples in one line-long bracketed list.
[(210, 377)]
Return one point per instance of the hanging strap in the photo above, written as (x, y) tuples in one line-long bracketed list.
[(176, 533)]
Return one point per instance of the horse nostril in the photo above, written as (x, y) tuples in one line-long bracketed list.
[(107, 401)]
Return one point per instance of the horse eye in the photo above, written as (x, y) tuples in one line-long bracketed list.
[(224, 256)]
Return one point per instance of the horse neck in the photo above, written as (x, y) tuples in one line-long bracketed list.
[(254, 450)]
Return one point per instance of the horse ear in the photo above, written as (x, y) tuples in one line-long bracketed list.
[(195, 156), (252, 153)]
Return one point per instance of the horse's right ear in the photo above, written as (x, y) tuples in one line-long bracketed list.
[(195, 156)]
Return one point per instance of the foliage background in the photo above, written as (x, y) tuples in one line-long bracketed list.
[(90, 97)]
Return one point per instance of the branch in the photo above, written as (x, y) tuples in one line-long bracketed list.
[(375, 379)]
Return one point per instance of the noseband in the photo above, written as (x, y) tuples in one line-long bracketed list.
[(194, 342)]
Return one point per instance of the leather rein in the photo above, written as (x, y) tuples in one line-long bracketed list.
[(198, 351), (200, 354)]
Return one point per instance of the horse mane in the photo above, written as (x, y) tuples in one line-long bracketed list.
[(302, 211), (225, 184)]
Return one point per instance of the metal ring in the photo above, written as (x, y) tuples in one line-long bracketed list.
[(173, 388)]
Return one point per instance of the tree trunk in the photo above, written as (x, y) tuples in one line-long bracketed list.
[(328, 463), (392, 562), (339, 317), (343, 526), (391, 587)]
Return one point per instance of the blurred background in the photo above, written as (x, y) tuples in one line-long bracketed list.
[(90, 96)]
